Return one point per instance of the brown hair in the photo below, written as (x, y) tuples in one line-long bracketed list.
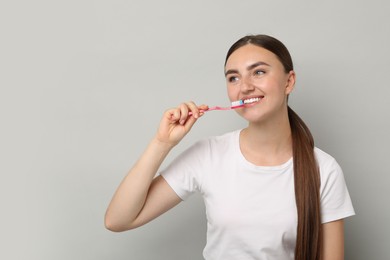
[(306, 172)]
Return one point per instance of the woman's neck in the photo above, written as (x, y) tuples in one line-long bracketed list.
[(267, 143)]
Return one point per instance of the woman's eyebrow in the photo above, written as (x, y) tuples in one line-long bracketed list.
[(254, 65), (231, 72), (250, 67)]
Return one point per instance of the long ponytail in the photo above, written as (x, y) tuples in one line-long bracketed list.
[(307, 186)]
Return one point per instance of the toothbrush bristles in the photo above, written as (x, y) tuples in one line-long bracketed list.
[(237, 103)]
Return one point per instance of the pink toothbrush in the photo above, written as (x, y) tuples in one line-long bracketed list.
[(234, 105)]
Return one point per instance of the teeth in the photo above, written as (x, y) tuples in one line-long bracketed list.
[(251, 100)]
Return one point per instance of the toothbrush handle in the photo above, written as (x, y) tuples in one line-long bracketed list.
[(213, 108), (218, 108)]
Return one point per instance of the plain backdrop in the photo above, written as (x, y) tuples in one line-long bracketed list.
[(84, 84)]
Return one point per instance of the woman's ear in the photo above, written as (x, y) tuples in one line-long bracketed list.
[(290, 82)]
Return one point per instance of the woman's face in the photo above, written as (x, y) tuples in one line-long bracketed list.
[(256, 75)]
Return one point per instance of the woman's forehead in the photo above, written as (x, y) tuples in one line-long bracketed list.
[(250, 54)]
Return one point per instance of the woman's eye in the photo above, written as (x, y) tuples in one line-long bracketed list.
[(233, 79), (259, 72)]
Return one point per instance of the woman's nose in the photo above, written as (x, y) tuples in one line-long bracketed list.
[(247, 85)]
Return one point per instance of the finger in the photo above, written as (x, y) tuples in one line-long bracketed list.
[(183, 113), (194, 110), (203, 108), (189, 123), (173, 114)]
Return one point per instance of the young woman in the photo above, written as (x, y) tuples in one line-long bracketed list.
[(269, 192)]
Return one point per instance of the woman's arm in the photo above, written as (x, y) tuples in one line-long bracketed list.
[(126, 210), (333, 239), (141, 197)]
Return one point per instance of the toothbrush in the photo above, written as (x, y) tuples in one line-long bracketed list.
[(234, 105)]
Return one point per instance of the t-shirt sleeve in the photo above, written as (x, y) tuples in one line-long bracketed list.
[(335, 200), (184, 173)]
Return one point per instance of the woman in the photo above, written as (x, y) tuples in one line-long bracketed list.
[(269, 193)]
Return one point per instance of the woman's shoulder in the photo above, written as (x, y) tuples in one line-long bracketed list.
[(327, 163), (218, 142), (322, 156), (219, 139)]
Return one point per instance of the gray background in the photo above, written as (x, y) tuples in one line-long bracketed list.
[(84, 84)]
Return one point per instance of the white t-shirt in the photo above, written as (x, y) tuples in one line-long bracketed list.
[(251, 210)]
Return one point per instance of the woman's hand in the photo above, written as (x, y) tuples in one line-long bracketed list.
[(177, 122)]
